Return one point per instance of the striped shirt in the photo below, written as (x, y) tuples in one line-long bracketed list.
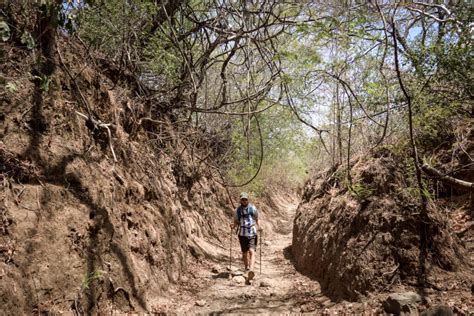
[(247, 216)]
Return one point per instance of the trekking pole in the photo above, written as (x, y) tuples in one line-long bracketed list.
[(230, 251), (233, 207), (261, 244)]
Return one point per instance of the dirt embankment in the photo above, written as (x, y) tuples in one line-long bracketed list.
[(367, 239), (78, 230)]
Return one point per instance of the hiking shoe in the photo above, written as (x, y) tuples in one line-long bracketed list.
[(251, 275)]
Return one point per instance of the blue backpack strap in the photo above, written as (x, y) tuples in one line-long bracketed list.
[(253, 210), (238, 213)]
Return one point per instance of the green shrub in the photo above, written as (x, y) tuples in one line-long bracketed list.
[(361, 191), (89, 277)]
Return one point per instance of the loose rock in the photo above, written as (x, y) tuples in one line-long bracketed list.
[(237, 273), (398, 303), (151, 234), (427, 301), (265, 283), (239, 279), (267, 243), (215, 269), (222, 275), (440, 310), (201, 303)]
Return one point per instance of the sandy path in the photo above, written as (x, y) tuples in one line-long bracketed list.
[(207, 288), (288, 291)]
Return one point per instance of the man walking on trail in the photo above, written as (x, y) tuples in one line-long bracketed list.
[(246, 217)]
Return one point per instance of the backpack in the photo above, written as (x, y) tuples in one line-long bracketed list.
[(246, 216)]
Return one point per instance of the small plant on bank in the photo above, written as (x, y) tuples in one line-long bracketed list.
[(360, 191), (44, 82), (89, 277)]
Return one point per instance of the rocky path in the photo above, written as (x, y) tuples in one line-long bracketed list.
[(210, 288), (279, 288)]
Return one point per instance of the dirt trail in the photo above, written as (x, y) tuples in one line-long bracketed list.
[(283, 288)]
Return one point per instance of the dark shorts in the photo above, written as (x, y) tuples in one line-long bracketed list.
[(248, 242)]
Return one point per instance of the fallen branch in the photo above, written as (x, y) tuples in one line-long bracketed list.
[(98, 123), (391, 272), (461, 184)]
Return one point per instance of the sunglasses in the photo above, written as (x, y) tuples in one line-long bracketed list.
[(244, 199)]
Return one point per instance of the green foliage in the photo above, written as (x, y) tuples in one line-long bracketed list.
[(442, 81), (103, 29), (399, 149), (434, 125), (161, 60), (4, 31), (90, 277), (120, 27), (411, 189), (413, 192), (11, 87), (44, 82), (361, 191), (339, 41), (27, 40), (287, 152)]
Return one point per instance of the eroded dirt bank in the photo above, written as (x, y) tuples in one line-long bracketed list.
[(82, 230), (366, 241)]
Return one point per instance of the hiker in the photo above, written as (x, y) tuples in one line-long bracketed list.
[(246, 217)]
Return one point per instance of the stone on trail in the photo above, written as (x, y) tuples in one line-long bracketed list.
[(440, 310), (250, 275), (265, 283), (215, 269), (267, 243), (402, 303), (201, 303), (222, 275), (237, 273), (239, 279)]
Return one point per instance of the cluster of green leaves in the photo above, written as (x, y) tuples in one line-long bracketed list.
[(287, 152), (434, 124), (411, 190), (4, 31), (361, 191), (122, 28), (349, 44), (442, 82), (90, 277), (159, 60), (44, 82)]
